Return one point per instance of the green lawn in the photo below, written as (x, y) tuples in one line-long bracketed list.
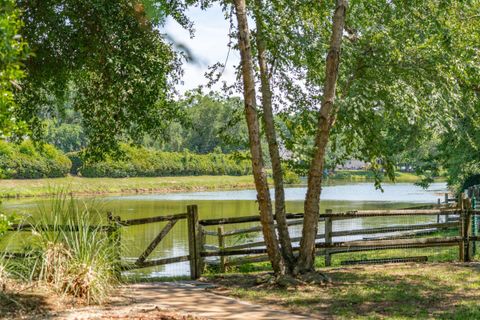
[(78, 185), (365, 175), (442, 288), (396, 291)]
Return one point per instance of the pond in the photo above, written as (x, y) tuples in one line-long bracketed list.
[(339, 197)]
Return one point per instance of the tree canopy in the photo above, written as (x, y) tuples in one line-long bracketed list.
[(403, 67), (106, 57), (13, 51), (211, 122)]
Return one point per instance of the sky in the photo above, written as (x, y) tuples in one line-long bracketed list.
[(209, 46)]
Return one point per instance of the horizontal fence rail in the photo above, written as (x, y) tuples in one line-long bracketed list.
[(136, 222), (235, 220), (52, 227)]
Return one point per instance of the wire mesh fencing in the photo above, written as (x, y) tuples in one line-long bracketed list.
[(346, 238)]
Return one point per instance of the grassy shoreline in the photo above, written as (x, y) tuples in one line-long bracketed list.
[(366, 175), (101, 186), (22, 188)]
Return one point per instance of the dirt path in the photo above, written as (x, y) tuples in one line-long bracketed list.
[(187, 297)]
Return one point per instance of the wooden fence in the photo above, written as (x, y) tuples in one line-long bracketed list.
[(457, 213), (193, 233), (448, 217), (400, 236)]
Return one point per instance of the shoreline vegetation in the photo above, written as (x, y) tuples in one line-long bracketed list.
[(23, 188)]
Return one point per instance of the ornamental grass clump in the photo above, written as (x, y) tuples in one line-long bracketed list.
[(73, 252)]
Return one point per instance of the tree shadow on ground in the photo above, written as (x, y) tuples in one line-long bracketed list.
[(23, 306), (357, 294)]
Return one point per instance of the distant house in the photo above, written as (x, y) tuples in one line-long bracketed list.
[(353, 164)]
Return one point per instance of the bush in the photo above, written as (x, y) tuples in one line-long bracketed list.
[(25, 161), (143, 162), (290, 177), (71, 252)]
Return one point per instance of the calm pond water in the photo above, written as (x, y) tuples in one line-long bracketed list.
[(241, 203)]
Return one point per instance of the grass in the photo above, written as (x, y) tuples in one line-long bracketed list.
[(447, 254), (366, 175), (95, 186), (438, 289), (15, 188), (69, 251), (401, 291)]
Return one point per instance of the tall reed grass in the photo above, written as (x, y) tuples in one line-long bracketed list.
[(72, 251)]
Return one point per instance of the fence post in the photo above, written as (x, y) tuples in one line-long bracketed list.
[(467, 230), (114, 237), (328, 237), (193, 238), (461, 248), (201, 240), (221, 246), (474, 220), (446, 204), (439, 204)]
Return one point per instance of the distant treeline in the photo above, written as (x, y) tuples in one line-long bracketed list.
[(24, 161), (210, 123)]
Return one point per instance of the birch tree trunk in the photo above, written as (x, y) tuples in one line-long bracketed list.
[(326, 118), (261, 184), (268, 120)]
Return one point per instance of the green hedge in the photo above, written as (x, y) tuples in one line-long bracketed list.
[(143, 162), (24, 161)]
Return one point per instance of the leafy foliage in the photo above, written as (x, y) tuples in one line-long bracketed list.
[(401, 70), (211, 123), (25, 161), (13, 51), (105, 56), (64, 129), (67, 137), (152, 163)]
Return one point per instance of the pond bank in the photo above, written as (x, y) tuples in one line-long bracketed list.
[(23, 188)]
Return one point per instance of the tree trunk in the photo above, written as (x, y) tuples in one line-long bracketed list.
[(280, 214), (326, 118), (261, 184)]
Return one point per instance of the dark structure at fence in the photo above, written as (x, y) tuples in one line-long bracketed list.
[(458, 216)]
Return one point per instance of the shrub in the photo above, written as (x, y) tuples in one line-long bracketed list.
[(138, 162), (290, 177), (25, 161), (71, 252)]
